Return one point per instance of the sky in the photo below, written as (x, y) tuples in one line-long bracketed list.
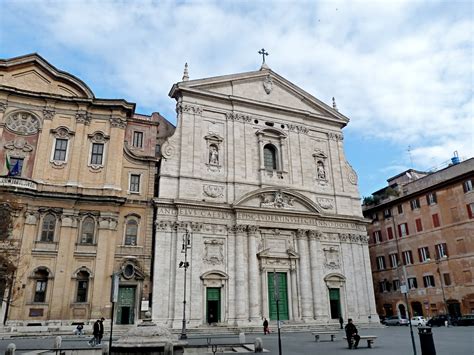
[(402, 71)]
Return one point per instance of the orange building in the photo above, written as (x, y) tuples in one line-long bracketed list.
[(423, 229)]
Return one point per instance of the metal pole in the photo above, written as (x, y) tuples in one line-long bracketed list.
[(185, 247), (111, 327), (276, 286), (438, 261)]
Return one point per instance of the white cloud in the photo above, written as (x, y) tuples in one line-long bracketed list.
[(401, 70)]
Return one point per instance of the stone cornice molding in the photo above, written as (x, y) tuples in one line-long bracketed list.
[(238, 117), (188, 108)]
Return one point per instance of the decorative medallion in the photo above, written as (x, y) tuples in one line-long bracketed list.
[(331, 257), (268, 84), (213, 252), (277, 199), (326, 203), (351, 174), (23, 123), (213, 191), (19, 147)]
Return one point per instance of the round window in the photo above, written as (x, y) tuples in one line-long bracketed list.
[(128, 271)]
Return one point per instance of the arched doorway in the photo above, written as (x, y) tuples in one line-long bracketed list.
[(454, 308), (417, 308), (213, 308), (402, 311), (335, 284)]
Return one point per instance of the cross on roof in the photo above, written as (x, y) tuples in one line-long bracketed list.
[(263, 53)]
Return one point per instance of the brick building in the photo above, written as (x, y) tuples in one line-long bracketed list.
[(424, 223)]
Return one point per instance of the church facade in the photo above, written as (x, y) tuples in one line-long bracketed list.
[(257, 204)]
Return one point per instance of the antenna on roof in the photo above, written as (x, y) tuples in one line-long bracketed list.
[(409, 154)]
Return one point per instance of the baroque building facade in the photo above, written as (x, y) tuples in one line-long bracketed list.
[(256, 195), (422, 234), (77, 178)]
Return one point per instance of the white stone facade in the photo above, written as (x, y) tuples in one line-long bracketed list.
[(256, 173)]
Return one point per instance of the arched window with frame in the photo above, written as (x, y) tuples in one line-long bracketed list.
[(269, 157), (131, 232), (87, 231), (82, 286), (48, 227), (41, 285)]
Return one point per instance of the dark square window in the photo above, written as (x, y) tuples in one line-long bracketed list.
[(138, 139), (134, 183), (60, 149), (97, 153)]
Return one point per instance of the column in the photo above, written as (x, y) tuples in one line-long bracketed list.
[(294, 292), (240, 282), (230, 301), (304, 276), (253, 279), (315, 281)]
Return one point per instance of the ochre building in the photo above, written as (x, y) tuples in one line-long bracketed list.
[(77, 177), (423, 227)]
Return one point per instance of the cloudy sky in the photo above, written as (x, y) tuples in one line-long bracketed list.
[(402, 71)]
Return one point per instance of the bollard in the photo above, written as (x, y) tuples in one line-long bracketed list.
[(169, 348), (57, 342), (258, 345), (10, 349), (105, 349), (242, 338), (426, 341)]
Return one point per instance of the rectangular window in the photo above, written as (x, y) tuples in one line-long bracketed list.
[(390, 233), (138, 139), (396, 285), (393, 260), (377, 237), (383, 286), (387, 213), (441, 250), (82, 291), (412, 283), (424, 254), (400, 209), (380, 263), (60, 149), (403, 230), (429, 281), (16, 166), (435, 220), (157, 149), (134, 183), (40, 291), (407, 257), (419, 226), (447, 279), (470, 210), (468, 185), (431, 198), (97, 153), (415, 204)]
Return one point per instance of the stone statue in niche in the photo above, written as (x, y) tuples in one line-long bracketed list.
[(321, 171), (213, 155)]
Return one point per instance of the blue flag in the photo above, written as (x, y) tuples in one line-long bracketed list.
[(15, 170)]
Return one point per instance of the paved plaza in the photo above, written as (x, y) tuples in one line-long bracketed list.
[(390, 341)]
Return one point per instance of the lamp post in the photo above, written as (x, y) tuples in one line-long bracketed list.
[(186, 245), (438, 261), (113, 300)]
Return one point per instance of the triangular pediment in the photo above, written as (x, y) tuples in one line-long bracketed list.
[(263, 87), (33, 73)]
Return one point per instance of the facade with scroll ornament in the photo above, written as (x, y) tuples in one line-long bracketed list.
[(79, 187), (259, 180)]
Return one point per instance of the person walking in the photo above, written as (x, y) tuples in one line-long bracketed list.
[(351, 333), (98, 332), (265, 327)]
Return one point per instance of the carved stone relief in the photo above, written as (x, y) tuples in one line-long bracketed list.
[(213, 191), (331, 257), (335, 136), (213, 251), (118, 122), (23, 123), (48, 114), (325, 203), (18, 147), (238, 117), (298, 128), (277, 199), (351, 174), (188, 108), (83, 117), (167, 150), (268, 84)]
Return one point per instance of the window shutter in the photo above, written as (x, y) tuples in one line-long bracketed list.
[(406, 227), (464, 186), (428, 253), (445, 249), (420, 256), (400, 229), (469, 211), (437, 251)]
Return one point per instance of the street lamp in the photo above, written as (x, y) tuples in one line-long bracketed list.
[(438, 261), (185, 264)]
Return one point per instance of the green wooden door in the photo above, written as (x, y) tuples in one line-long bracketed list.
[(126, 305), (335, 303), (283, 304), (213, 305)]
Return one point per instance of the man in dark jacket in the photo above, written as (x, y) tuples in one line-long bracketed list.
[(351, 333), (98, 330)]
